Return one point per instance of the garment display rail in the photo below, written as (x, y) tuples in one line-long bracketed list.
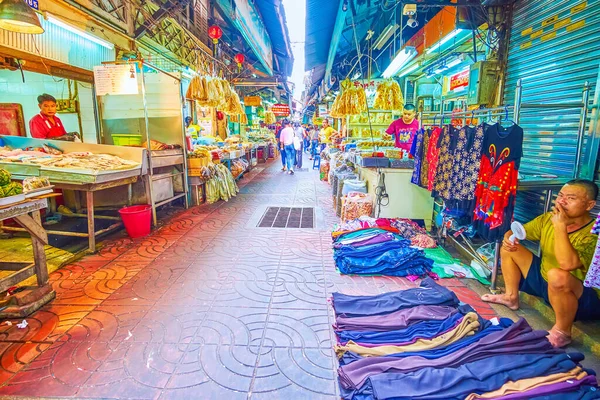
[(502, 114)]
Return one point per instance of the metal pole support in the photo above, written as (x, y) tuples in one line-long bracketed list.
[(493, 288)]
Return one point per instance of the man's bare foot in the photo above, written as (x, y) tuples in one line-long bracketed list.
[(558, 338), (501, 299)]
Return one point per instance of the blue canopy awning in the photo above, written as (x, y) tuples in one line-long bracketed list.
[(320, 20), (274, 18)]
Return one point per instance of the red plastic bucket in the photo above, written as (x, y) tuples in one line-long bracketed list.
[(137, 220)]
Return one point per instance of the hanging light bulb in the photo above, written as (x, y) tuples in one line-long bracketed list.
[(345, 6), (17, 16)]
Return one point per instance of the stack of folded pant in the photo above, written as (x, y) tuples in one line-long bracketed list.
[(422, 344), (375, 251)]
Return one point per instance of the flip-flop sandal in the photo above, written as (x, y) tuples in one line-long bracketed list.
[(558, 338), (497, 299)]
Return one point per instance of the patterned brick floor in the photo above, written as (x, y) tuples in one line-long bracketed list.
[(207, 307)]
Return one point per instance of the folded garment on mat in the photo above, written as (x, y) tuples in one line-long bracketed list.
[(367, 237), (428, 293), (456, 383), (538, 385), (350, 357), (468, 325), (572, 389), (396, 320), (397, 262), (519, 338), (401, 337)]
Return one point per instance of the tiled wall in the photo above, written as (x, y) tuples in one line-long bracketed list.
[(13, 90)]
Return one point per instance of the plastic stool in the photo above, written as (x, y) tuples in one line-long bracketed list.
[(317, 162)]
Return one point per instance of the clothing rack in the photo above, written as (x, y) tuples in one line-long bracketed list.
[(500, 113)]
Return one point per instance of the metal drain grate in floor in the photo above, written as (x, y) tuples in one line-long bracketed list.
[(288, 217)]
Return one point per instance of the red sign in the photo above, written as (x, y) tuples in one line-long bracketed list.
[(281, 110), (459, 80)]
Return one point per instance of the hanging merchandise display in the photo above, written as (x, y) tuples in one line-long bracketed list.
[(474, 169), (270, 118), (389, 96), (592, 278), (352, 100)]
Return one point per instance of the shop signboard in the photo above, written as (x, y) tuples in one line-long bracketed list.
[(281, 110), (115, 80), (33, 4), (460, 80), (252, 101), (323, 112)]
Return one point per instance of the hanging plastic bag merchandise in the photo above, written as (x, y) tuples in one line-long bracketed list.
[(356, 205), (324, 171)]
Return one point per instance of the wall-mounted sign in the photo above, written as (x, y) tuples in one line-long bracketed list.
[(281, 110), (252, 101), (115, 79), (459, 80), (323, 112)]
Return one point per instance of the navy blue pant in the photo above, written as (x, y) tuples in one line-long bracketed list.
[(429, 293), (475, 377)]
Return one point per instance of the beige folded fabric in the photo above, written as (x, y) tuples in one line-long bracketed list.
[(523, 385), (468, 326)]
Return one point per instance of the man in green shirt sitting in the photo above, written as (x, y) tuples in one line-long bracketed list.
[(567, 247)]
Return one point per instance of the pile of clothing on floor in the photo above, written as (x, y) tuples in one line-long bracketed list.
[(394, 247), (421, 343)]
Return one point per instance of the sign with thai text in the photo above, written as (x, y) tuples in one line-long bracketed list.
[(459, 80), (252, 101), (281, 110)]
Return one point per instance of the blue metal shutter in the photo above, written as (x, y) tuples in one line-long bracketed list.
[(554, 49)]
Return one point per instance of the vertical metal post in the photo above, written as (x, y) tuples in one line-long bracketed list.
[(495, 267), (148, 146), (581, 128), (464, 110), (518, 100), (548, 200)]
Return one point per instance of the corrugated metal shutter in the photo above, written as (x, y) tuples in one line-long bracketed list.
[(59, 44), (554, 49)]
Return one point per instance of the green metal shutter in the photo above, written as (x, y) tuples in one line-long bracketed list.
[(554, 49)]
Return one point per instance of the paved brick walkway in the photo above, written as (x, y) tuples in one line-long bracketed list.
[(208, 307)]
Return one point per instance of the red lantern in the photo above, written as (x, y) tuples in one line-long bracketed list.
[(239, 59), (215, 33), (220, 115)]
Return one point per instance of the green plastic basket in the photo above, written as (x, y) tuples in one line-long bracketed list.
[(127, 140)]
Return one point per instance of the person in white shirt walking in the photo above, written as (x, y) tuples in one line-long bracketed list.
[(286, 143)]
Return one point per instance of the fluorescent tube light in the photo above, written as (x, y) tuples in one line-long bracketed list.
[(385, 36), (409, 70), (77, 31), (401, 59), (454, 63), (446, 39)]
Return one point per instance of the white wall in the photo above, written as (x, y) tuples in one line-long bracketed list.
[(13, 90)]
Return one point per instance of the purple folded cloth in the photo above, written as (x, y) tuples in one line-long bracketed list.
[(555, 388), (519, 338), (405, 343), (393, 321)]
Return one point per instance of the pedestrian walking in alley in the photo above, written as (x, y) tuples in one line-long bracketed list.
[(277, 137), (306, 139), (314, 141), (298, 144), (286, 143)]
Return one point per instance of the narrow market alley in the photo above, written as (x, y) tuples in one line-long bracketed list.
[(209, 306)]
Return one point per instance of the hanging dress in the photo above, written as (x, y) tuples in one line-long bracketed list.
[(592, 278), (442, 185), (416, 151), (465, 169), (433, 156), (496, 188)]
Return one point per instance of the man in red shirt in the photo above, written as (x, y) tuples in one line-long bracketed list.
[(46, 124), (404, 129)]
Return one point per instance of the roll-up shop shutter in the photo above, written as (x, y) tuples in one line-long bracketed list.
[(554, 49)]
